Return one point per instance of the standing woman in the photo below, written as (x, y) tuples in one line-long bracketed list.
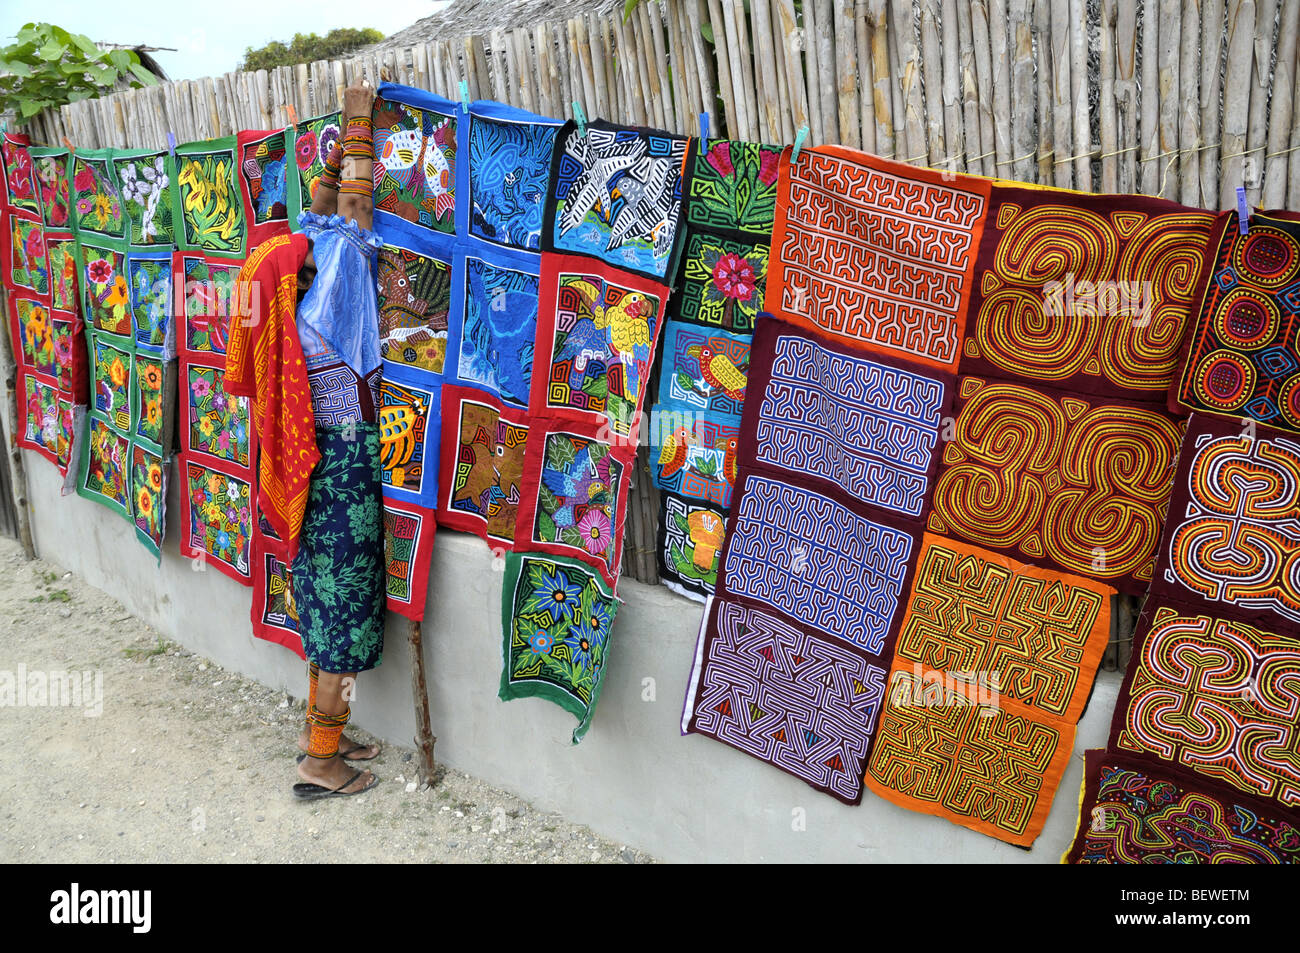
[(307, 352)]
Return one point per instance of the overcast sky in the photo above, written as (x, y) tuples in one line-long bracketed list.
[(216, 46)]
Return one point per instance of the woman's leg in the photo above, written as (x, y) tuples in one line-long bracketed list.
[(348, 747), (323, 764)]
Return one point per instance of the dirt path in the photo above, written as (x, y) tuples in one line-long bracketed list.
[(191, 763)]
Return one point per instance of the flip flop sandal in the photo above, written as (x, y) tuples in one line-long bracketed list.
[(347, 755), (315, 792)]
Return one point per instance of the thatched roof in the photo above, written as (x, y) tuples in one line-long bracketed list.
[(479, 16)]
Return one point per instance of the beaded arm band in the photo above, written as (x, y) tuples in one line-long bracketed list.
[(333, 162), (358, 143)]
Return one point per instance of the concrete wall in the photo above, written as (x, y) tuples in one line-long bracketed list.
[(634, 778)]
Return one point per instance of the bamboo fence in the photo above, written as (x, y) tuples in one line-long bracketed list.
[(1185, 99)]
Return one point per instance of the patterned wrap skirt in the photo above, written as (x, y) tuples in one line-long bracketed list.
[(339, 580)]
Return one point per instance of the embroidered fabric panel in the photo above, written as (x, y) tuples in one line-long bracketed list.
[(1136, 810), (942, 749), (695, 455), (1233, 531), (408, 547), (616, 195), (312, 141), (1215, 696), (704, 370), (817, 561), (574, 497), (498, 333), (597, 330), (275, 614), (509, 174), (96, 198), (557, 616), (1084, 292), (483, 468), (786, 695), (50, 180), (1038, 634), (416, 154), (147, 182), (689, 545), (1065, 482), (1243, 350), (208, 208), (131, 383), (877, 254), (414, 296), (865, 425)]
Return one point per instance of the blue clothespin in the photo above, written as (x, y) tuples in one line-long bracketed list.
[(171, 143), (704, 127), (464, 96), (799, 137), (581, 117), (1243, 211)]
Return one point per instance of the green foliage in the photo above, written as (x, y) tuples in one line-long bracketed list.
[(308, 47), (48, 67)]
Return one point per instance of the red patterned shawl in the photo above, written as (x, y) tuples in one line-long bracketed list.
[(264, 361)]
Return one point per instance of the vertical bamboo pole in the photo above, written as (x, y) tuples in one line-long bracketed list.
[(1062, 108), (1189, 105), (1293, 188), (972, 145), (1023, 105), (787, 36), (881, 77), (1214, 33), (932, 70), (765, 71), (1106, 98), (424, 736), (1043, 71), (828, 91), (866, 97), (1257, 121), (1149, 168), (990, 146), (1079, 94), (733, 101), (1126, 94), (912, 143), (1170, 76), (813, 68), (953, 125), (1236, 98), (1281, 113)]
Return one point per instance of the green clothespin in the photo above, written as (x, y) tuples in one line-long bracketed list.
[(799, 137), (464, 96), (581, 118)]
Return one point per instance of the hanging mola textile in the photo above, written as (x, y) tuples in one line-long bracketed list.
[(122, 205), (610, 241), (42, 295), (729, 209)]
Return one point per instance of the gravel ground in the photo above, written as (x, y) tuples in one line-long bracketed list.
[(191, 763)]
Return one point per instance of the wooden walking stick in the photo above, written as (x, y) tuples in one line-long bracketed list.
[(424, 736), (13, 420)]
